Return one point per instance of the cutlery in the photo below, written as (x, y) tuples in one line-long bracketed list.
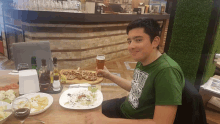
[(37, 120), (78, 86), (14, 71), (8, 110)]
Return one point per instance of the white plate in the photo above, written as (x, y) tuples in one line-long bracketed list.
[(64, 98), (8, 107), (50, 101)]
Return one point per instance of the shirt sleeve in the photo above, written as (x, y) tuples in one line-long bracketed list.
[(168, 87)]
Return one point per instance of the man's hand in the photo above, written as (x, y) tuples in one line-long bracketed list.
[(104, 72), (96, 118), (123, 83)]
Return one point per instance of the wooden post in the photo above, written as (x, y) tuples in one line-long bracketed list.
[(163, 34), (1, 47)]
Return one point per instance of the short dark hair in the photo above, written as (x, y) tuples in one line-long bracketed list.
[(151, 27)]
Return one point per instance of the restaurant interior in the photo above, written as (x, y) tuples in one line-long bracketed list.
[(65, 37)]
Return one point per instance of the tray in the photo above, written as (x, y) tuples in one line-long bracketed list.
[(77, 81)]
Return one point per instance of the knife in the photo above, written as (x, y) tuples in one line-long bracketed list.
[(8, 110), (78, 86)]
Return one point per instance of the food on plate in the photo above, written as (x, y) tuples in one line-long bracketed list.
[(3, 114), (10, 86), (89, 76), (66, 73), (38, 103), (92, 89), (7, 96), (71, 77), (79, 74), (85, 97)]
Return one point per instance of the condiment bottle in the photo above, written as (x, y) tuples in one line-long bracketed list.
[(44, 76), (56, 83), (33, 62), (55, 66), (55, 69)]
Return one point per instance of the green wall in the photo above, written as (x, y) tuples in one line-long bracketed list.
[(210, 65), (188, 34)]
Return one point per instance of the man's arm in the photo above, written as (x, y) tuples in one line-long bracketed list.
[(123, 83), (165, 114), (162, 115)]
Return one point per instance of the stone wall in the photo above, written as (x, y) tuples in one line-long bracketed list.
[(77, 45)]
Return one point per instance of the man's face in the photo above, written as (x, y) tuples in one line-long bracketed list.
[(139, 44)]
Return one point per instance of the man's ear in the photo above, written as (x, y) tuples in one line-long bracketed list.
[(156, 41)]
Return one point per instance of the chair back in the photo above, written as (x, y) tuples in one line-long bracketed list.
[(192, 109), (22, 53)]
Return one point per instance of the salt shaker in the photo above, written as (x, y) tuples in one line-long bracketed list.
[(56, 83)]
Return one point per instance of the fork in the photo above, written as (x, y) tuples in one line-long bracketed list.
[(37, 120), (10, 110)]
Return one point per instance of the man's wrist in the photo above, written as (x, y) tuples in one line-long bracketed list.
[(109, 76)]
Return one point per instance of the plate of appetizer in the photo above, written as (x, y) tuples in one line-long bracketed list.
[(82, 97), (40, 102)]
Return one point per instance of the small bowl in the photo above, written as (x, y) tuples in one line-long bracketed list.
[(8, 107)]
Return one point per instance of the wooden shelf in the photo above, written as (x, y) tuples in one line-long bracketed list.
[(50, 17)]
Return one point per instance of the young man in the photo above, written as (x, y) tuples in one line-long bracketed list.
[(156, 88)]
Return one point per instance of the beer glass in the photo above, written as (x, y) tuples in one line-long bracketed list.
[(100, 61)]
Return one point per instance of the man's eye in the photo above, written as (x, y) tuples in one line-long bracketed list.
[(129, 41), (138, 40)]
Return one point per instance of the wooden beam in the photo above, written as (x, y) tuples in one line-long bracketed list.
[(163, 32)]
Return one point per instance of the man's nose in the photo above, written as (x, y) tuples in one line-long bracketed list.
[(131, 45)]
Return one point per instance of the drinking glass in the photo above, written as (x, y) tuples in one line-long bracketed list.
[(27, 5), (22, 66), (83, 5), (21, 108), (60, 5), (100, 61)]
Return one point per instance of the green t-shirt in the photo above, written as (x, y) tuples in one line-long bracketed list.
[(159, 83)]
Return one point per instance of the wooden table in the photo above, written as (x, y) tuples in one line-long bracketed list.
[(55, 114)]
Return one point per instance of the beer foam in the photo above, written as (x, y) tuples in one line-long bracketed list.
[(100, 57)]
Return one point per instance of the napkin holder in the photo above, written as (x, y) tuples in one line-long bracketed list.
[(28, 81)]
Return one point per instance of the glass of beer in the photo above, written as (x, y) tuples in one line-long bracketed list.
[(100, 61)]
